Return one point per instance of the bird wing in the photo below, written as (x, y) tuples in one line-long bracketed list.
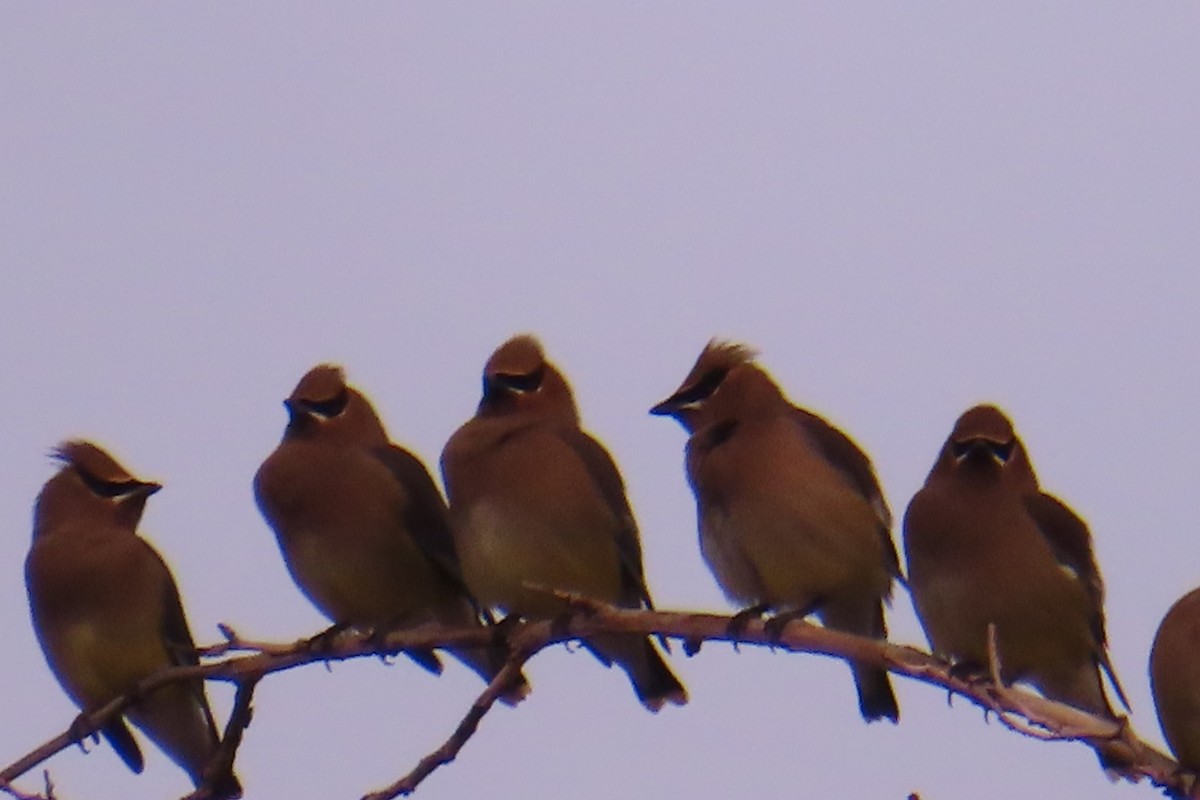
[(606, 477), (177, 637), (426, 518), (1071, 542), (848, 458)]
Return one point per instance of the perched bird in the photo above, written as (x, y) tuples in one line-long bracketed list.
[(985, 546), (361, 524), (790, 512), (538, 504), (1175, 679), (107, 612)]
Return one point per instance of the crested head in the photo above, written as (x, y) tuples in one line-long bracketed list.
[(321, 384), (90, 460), (324, 404), (520, 355), (984, 443), (90, 486), (724, 380), (984, 421), (722, 353), (517, 378)]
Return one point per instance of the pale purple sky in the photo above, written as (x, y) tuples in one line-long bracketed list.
[(908, 207)]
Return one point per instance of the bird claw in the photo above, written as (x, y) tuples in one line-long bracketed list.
[(773, 628), (81, 730), (503, 628), (561, 624), (968, 672), (742, 619), (322, 643)]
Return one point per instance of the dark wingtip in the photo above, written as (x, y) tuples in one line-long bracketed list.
[(121, 738), (517, 692), (657, 685), (227, 787), (876, 700), (427, 659)]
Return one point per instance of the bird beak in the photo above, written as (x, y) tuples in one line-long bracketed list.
[(147, 488), (983, 449), (667, 408), (680, 409)]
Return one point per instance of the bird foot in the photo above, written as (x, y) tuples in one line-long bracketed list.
[(81, 730), (969, 672), (773, 627), (502, 629), (741, 620), (560, 625), (322, 643)]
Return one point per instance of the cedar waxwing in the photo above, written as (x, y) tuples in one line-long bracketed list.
[(361, 524), (107, 612), (985, 546), (1175, 679), (538, 504), (791, 516)]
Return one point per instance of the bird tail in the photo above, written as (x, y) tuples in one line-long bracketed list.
[(121, 738), (652, 679), (227, 787), (876, 700), (864, 616)]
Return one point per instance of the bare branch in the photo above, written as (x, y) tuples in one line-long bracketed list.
[(244, 663)]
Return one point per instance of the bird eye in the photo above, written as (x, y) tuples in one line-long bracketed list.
[(329, 408)]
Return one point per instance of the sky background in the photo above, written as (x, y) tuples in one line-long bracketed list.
[(907, 207)]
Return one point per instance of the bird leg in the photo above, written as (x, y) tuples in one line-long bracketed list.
[(742, 619), (423, 656), (322, 643), (773, 627), (502, 629), (82, 729), (968, 672), (560, 624)]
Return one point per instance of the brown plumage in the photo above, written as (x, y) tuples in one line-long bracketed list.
[(1175, 679), (985, 545), (361, 524), (107, 612), (537, 501), (790, 513)]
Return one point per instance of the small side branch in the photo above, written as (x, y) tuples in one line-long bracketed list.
[(449, 749), (220, 771)]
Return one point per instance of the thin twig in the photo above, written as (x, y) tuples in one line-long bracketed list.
[(449, 750), (8, 788), (220, 770)]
